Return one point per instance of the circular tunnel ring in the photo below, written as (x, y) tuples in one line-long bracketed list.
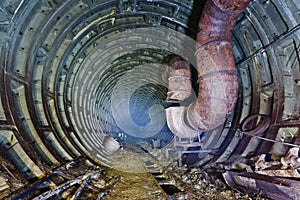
[(262, 126)]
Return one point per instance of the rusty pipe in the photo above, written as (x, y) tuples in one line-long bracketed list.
[(179, 80), (217, 75)]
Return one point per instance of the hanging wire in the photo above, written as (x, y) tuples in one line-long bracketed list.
[(269, 140), (264, 125)]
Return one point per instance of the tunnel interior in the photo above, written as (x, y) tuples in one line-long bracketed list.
[(80, 79)]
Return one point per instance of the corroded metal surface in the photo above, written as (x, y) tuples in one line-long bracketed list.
[(179, 81), (269, 186), (263, 125), (217, 76)]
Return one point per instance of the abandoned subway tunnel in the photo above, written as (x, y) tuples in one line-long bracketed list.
[(86, 87)]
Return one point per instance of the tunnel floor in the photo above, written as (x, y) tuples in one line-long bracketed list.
[(136, 175), (84, 87)]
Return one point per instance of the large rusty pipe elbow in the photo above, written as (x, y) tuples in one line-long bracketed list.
[(217, 75)]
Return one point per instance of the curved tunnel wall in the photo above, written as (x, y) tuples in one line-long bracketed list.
[(47, 47), (268, 81)]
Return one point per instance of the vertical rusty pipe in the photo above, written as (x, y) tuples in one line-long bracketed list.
[(179, 80), (217, 75), (180, 86)]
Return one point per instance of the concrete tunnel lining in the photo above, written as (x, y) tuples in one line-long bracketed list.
[(47, 47)]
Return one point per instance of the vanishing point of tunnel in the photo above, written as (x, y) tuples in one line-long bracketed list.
[(133, 99)]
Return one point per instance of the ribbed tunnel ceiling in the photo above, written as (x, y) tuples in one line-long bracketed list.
[(76, 72), (73, 69)]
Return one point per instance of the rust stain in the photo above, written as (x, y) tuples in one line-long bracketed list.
[(179, 80), (217, 75)]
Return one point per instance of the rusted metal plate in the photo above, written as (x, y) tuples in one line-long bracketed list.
[(291, 173), (269, 186)]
